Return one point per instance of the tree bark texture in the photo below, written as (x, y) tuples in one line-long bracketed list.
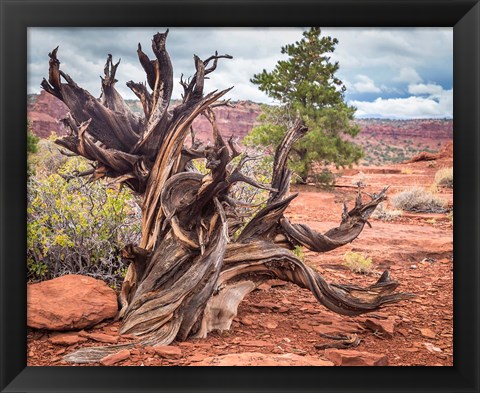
[(189, 273)]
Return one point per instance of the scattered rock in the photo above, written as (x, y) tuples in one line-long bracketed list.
[(384, 326), (338, 329), (261, 359), (246, 321), (67, 339), (113, 358), (328, 318), (345, 357), (426, 332), (197, 357), (270, 284), (306, 327), (101, 337), (186, 344), (168, 351), (270, 324), (69, 302), (432, 348), (266, 305), (257, 343)]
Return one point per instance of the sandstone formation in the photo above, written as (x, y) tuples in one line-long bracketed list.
[(44, 110), (348, 357), (69, 302)]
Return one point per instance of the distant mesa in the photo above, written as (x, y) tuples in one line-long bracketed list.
[(44, 110), (445, 152)]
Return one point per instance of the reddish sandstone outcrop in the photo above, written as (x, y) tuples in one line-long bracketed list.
[(69, 302), (348, 357)]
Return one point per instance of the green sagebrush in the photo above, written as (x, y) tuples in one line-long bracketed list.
[(76, 226)]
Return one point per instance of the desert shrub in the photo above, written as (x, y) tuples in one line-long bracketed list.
[(77, 226), (298, 252), (32, 147), (357, 263), (417, 199), (325, 179), (384, 214), (444, 177)]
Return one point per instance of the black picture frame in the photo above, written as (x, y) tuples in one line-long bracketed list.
[(18, 15)]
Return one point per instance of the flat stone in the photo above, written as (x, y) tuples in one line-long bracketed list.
[(168, 351), (246, 321), (257, 343), (432, 348), (261, 359), (338, 328), (426, 332), (384, 326), (102, 338), (306, 327), (346, 357), (66, 339), (267, 305), (113, 358), (197, 357), (69, 302), (270, 324), (270, 284)]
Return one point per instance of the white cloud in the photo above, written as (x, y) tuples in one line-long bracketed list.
[(365, 85), (404, 108), (383, 62), (409, 75), (431, 89)]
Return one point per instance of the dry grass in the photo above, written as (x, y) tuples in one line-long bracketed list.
[(384, 214), (444, 177), (357, 263), (418, 200)]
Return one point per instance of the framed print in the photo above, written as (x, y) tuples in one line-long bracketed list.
[(192, 280)]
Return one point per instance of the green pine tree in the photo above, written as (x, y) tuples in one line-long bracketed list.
[(306, 84)]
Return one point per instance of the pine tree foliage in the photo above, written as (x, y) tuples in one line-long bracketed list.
[(306, 84)]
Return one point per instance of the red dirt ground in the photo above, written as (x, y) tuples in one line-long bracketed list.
[(416, 248)]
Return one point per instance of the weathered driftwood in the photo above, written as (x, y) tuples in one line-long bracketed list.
[(188, 274)]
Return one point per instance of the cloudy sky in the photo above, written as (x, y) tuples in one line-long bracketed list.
[(388, 72)]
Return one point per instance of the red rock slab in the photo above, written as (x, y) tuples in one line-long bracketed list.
[(101, 337), (261, 359), (113, 358), (66, 339), (168, 351), (69, 302), (384, 326), (338, 328), (346, 357)]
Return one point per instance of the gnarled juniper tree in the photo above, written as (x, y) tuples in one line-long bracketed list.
[(188, 274)]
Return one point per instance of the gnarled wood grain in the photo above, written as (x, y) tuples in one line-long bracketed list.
[(188, 274)]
